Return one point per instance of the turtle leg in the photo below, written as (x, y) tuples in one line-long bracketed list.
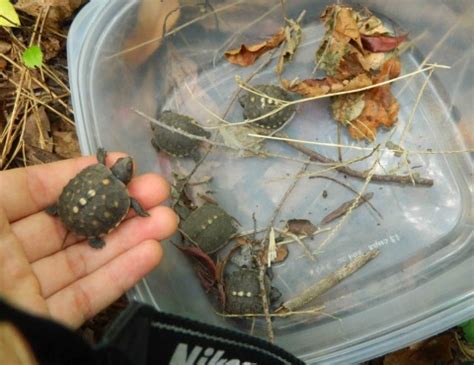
[(101, 154), (96, 242), (52, 210), (135, 205)]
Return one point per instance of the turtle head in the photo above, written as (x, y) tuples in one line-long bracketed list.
[(123, 169)]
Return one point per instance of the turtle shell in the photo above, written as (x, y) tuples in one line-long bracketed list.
[(243, 294), (255, 106), (174, 143), (209, 226), (94, 202)]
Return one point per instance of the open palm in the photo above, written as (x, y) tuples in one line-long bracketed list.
[(72, 283)]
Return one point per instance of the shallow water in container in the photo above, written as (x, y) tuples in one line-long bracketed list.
[(421, 229)]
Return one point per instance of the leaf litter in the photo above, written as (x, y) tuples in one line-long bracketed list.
[(360, 58)]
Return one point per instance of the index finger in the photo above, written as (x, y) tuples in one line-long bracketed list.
[(24, 191)]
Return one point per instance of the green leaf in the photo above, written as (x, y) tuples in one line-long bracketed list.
[(33, 57), (8, 15), (468, 329)]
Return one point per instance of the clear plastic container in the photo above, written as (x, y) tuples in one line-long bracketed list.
[(423, 280)]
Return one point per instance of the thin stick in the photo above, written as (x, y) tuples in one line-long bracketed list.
[(327, 283), (315, 310), (362, 175)]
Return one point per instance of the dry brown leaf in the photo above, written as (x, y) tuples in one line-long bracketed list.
[(436, 350), (66, 144), (148, 32), (381, 107), (58, 10), (382, 43), (281, 254), (247, 55), (301, 227), (37, 156), (38, 130), (318, 87), (5, 47), (50, 46), (3, 64)]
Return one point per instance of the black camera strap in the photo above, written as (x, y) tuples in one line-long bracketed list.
[(140, 336)]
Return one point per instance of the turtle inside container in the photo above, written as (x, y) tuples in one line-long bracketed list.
[(209, 227), (243, 292), (174, 143), (96, 200), (255, 106)]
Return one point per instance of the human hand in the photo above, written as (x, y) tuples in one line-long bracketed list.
[(72, 283)]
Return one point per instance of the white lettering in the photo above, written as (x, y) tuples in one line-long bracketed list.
[(180, 356)]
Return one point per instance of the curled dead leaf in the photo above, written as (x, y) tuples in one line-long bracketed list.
[(66, 144), (38, 130), (318, 87), (382, 43), (293, 33), (381, 107), (301, 227), (247, 55)]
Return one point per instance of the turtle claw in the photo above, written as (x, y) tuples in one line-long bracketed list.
[(135, 205), (52, 210), (96, 242)]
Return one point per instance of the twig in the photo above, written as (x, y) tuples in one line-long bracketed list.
[(315, 310), (344, 207), (327, 283), (400, 179), (262, 268)]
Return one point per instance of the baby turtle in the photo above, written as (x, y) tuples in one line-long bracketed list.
[(209, 226), (174, 143), (243, 294), (96, 200), (255, 106)]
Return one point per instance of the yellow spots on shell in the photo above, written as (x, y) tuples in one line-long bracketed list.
[(203, 226), (90, 182), (103, 196), (94, 207), (116, 204), (252, 99), (91, 193), (209, 221), (75, 209), (107, 215), (249, 294), (106, 182), (95, 223), (82, 201), (215, 217)]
